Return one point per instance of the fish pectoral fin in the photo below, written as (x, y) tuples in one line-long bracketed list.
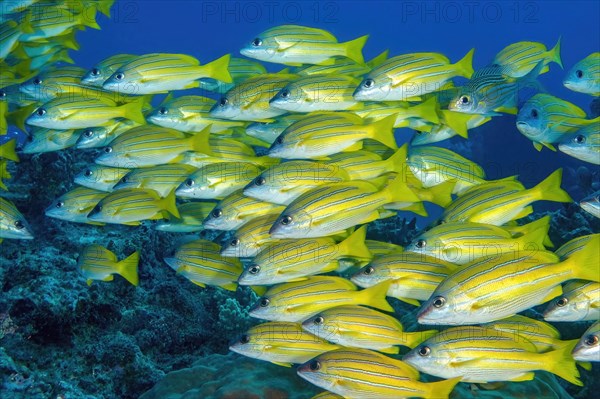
[(354, 147), (549, 146), (524, 377), (198, 283), (410, 301), (283, 364), (284, 46), (230, 286), (585, 365), (507, 110)]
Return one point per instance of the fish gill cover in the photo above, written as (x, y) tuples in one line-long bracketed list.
[(230, 200)]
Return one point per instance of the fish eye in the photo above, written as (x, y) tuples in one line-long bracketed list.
[(120, 76), (418, 132), (465, 99), (88, 173), (163, 111), (315, 365), (439, 302), (319, 320), (259, 181), (368, 83), (95, 72), (254, 269), (108, 150), (579, 73), (88, 133), (2, 93), (235, 242), (534, 113), (257, 42), (244, 339), (424, 351), (286, 220), (216, 213), (368, 270), (124, 179), (421, 243), (562, 301), (190, 182), (19, 225), (264, 302), (60, 204), (223, 102), (285, 93), (579, 139), (591, 340), (97, 208), (41, 111), (37, 81)]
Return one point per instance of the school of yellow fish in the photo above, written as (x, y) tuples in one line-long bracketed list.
[(295, 165)]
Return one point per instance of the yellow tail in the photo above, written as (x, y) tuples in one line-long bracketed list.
[(375, 296), (399, 191), (170, 204), (427, 110), (378, 59), (219, 69), (200, 142), (535, 235), (128, 268), (585, 263), (442, 389), (412, 339), (354, 246), (133, 110), (397, 162), (104, 6), (354, 49), (549, 189), (561, 363), (465, 65), (441, 194), (88, 17), (383, 131), (457, 121), (7, 150), (555, 53)]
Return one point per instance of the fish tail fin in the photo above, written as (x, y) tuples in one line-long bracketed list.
[(64, 57), (549, 189), (383, 131), (354, 49), (134, 111), (465, 65), (555, 53), (530, 78), (561, 363), (457, 121), (585, 263), (25, 24), (104, 6), (69, 42), (378, 59), (441, 194), (88, 17), (354, 246), (375, 296), (219, 69), (397, 162), (428, 110), (7, 150), (200, 142), (170, 204), (128, 268), (399, 191), (442, 389), (412, 339), (536, 234)]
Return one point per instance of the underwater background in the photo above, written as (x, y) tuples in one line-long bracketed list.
[(169, 338)]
